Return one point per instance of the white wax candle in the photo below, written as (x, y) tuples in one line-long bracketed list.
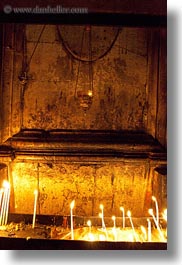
[(157, 225), (1, 200), (3, 207), (157, 209), (89, 225), (7, 205), (114, 227), (122, 209), (1, 195), (149, 230), (35, 207), (129, 215), (114, 221), (71, 218)]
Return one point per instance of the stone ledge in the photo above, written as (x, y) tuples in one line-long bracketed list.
[(83, 143)]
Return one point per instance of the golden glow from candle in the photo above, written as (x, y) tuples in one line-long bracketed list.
[(128, 213), (90, 93), (164, 215), (35, 192), (102, 238), (6, 184), (101, 206), (131, 238), (72, 204), (113, 218), (122, 209), (89, 223), (91, 237), (154, 198)]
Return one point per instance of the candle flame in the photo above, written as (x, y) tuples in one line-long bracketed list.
[(72, 204), (101, 206), (113, 218), (128, 213), (150, 211), (154, 198), (6, 184), (35, 192), (122, 209), (90, 93), (89, 223)]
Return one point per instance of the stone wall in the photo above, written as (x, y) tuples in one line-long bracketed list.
[(125, 97), (129, 82), (114, 184), (119, 93)]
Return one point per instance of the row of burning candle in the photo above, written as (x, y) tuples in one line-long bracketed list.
[(4, 202), (4, 206), (150, 211)]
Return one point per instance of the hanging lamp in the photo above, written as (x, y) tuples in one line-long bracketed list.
[(84, 77)]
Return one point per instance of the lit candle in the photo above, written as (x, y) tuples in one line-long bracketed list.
[(114, 221), (5, 203), (144, 232), (35, 207), (71, 218), (3, 208), (129, 215), (102, 216), (156, 223), (1, 195), (89, 225), (122, 209), (149, 230), (157, 209), (164, 215), (114, 226), (90, 235)]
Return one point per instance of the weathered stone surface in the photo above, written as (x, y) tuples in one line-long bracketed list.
[(123, 100), (119, 80), (112, 184), (125, 80)]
